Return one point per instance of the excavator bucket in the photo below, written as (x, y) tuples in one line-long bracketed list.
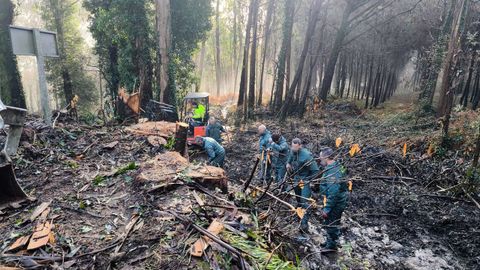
[(10, 190)]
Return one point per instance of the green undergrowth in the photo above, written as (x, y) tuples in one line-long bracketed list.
[(257, 254)]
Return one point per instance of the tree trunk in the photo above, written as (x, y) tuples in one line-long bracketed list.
[(337, 47), (466, 90), (312, 23), (11, 89), (447, 94), (163, 25), (268, 20), (243, 77), (202, 64), (218, 69), (253, 59), (282, 57)]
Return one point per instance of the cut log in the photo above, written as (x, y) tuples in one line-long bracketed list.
[(162, 129), (181, 138)]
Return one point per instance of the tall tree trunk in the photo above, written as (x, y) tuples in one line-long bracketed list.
[(337, 47), (202, 65), (283, 55), (253, 59), (466, 90), (58, 10), (11, 89), (447, 94), (218, 69), (268, 21), (312, 23), (163, 25), (243, 77)]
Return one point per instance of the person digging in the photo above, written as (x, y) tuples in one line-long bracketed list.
[(215, 152), (304, 168), (334, 189)]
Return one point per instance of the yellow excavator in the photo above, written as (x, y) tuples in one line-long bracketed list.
[(12, 120)]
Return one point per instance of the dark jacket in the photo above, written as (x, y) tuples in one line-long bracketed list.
[(213, 148), (303, 164), (334, 187), (215, 131), (280, 152), (264, 141)]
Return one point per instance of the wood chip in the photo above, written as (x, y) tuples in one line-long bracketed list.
[(39, 210), (202, 243), (40, 236), (20, 243)]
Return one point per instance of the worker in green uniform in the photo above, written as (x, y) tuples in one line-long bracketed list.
[(280, 155), (215, 129), (334, 188), (265, 152), (215, 152), (304, 168)]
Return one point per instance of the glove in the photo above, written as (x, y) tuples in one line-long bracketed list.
[(270, 140)]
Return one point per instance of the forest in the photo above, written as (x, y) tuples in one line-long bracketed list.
[(239, 134)]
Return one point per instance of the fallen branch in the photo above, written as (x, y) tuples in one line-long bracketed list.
[(213, 238)]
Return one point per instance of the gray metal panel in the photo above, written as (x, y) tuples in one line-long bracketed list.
[(22, 41), (197, 95), (48, 41)]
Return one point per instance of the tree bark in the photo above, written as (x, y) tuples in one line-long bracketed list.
[(253, 59), (312, 23), (337, 47), (11, 89), (282, 57), (268, 20), (218, 69), (447, 94), (163, 25)]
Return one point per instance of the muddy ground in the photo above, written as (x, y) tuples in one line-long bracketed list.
[(397, 218)]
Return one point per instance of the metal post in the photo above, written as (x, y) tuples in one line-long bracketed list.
[(42, 80)]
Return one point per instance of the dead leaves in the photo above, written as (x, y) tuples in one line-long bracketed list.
[(355, 149)]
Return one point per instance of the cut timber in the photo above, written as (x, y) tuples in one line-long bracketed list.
[(167, 166), (162, 129), (39, 210), (181, 137), (132, 101), (156, 141), (202, 243), (20, 243), (163, 167), (209, 176), (41, 236)]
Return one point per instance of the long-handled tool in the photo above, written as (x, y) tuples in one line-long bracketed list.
[(251, 174)]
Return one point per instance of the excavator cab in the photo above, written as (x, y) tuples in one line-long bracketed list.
[(12, 120), (197, 126)]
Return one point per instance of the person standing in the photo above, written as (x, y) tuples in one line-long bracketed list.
[(304, 168), (215, 130), (264, 150), (280, 156), (334, 189)]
